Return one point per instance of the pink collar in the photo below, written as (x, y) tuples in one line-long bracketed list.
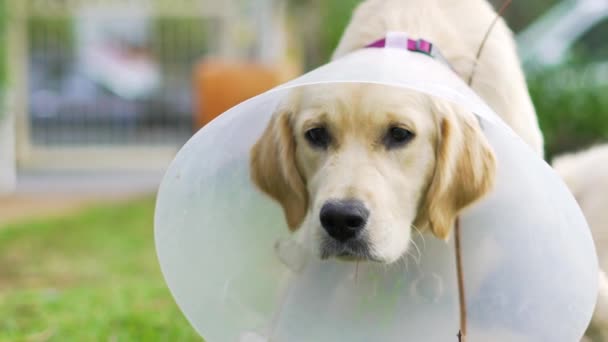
[(400, 40)]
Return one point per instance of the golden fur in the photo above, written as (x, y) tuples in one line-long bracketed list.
[(457, 28), (422, 185), (447, 166)]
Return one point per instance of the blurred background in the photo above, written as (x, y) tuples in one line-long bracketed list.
[(97, 96)]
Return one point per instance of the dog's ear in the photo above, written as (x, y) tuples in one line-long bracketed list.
[(274, 169), (464, 171)]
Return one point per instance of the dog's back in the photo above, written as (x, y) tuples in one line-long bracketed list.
[(457, 28)]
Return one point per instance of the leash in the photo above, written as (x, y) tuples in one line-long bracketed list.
[(400, 40), (462, 333), (499, 14)]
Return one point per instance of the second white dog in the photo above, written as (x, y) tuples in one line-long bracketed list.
[(586, 174)]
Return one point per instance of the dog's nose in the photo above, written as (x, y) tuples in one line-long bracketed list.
[(343, 220)]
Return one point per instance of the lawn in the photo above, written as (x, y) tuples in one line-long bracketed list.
[(92, 276)]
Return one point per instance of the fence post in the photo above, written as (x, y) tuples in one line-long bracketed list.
[(8, 167), (8, 161)]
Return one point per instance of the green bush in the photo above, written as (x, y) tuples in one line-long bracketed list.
[(319, 25), (335, 17), (572, 106)]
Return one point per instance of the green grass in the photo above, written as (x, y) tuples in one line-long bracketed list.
[(93, 276)]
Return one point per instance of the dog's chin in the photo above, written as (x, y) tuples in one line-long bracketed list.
[(356, 251), (348, 257), (351, 257), (361, 249)]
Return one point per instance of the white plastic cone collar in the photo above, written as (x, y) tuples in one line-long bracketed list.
[(529, 261)]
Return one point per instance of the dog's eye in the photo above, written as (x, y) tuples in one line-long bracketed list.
[(318, 137), (398, 136)]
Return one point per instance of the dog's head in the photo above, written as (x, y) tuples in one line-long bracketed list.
[(360, 166)]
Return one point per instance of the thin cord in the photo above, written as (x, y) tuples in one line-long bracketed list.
[(462, 333), (502, 9), (461, 294)]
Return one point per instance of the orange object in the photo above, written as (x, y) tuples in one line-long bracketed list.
[(220, 85)]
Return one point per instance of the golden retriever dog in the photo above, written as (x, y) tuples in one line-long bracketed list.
[(357, 167), (586, 175)]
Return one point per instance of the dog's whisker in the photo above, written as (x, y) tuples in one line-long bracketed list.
[(405, 262), (418, 259), (419, 232), (407, 259)]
